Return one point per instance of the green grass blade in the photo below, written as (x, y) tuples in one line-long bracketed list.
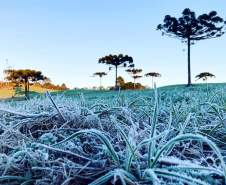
[(98, 134), (187, 137)]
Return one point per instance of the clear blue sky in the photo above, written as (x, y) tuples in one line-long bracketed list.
[(65, 38)]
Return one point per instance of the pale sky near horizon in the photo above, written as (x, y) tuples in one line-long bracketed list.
[(64, 39)]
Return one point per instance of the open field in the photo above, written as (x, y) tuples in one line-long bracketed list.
[(8, 92), (171, 135)]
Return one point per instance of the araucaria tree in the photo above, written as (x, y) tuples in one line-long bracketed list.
[(100, 75), (24, 76), (117, 61), (204, 76), (189, 29), (135, 74), (153, 75)]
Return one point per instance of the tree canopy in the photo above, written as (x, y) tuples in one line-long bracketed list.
[(153, 74), (204, 76), (117, 60), (100, 74), (134, 71), (21, 75), (205, 26)]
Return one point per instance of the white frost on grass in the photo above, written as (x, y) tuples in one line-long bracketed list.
[(108, 138)]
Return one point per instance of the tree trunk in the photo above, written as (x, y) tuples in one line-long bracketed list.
[(189, 62), (116, 77), (134, 83), (26, 87), (100, 84), (152, 82)]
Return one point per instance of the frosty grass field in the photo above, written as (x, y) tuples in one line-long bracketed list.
[(172, 135)]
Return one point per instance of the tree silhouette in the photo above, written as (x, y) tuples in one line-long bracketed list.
[(117, 61), (134, 74), (153, 75), (204, 76), (100, 74), (189, 29), (24, 76)]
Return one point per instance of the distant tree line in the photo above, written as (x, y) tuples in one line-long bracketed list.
[(49, 85)]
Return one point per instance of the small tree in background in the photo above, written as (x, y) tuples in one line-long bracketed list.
[(18, 90), (128, 85), (24, 76), (120, 81), (63, 86), (204, 76), (134, 74), (189, 29), (153, 75), (117, 61), (100, 75)]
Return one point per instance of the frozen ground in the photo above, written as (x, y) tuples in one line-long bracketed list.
[(172, 135)]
